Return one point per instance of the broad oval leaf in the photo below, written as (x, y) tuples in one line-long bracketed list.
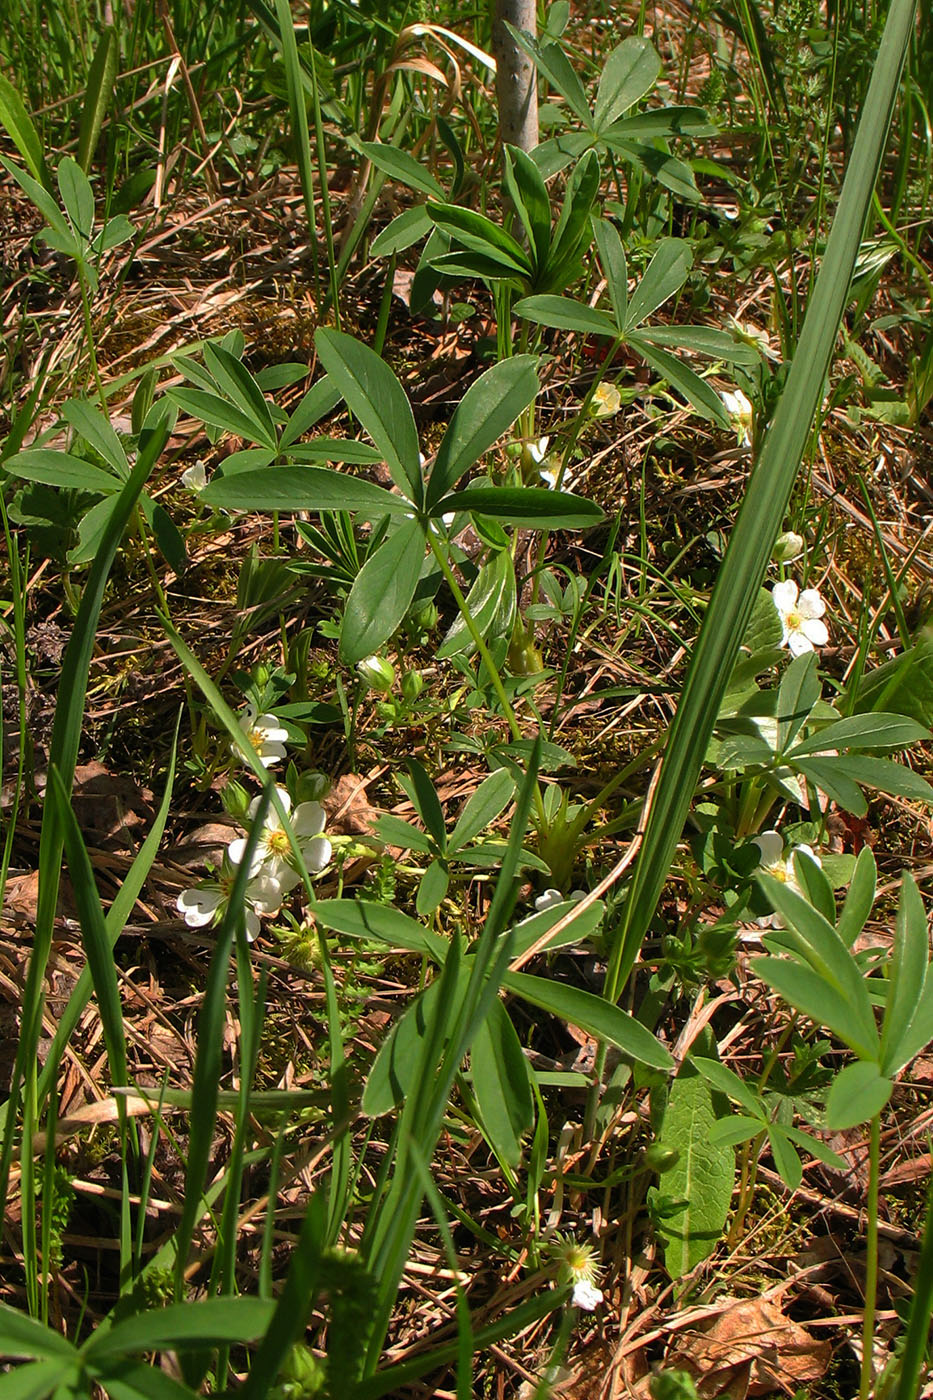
[(56, 468), (382, 593), (665, 274), (374, 396), (401, 167), (488, 802), (857, 1094), (565, 314), (405, 229), (363, 918)]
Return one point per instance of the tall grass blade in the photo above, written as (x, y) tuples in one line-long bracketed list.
[(63, 755), (100, 83), (294, 82), (762, 511)]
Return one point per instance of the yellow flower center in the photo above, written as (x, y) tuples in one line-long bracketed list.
[(278, 843), (793, 621)]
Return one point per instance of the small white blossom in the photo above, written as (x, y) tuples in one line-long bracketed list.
[(206, 903), (537, 451), (781, 867), (549, 898), (273, 855), (606, 401), (801, 617), (585, 1296), (739, 410), (266, 735), (195, 478)]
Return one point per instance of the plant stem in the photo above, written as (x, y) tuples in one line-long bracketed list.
[(483, 650), (871, 1261)]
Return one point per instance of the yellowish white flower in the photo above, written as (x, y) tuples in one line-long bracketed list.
[(585, 1296), (577, 1265), (801, 617), (606, 401), (266, 735), (549, 898), (740, 414), (195, 477), (779, 866), (273, 855), (787, 547)]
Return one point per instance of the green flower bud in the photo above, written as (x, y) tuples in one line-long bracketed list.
[(236, 801), (378, 673), (660, 1159), (787, 547), (412, 686)]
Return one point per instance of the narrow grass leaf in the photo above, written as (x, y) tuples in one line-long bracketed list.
[(763, 509), (100, 82)]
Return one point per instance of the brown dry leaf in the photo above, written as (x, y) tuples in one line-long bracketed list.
[(21, 893), (750, 1348), (109, 805), (349, 811), (206, 845)]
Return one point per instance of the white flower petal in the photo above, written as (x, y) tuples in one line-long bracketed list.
[(798, 642), (317, 854), (815, 631), (771, 846), (587, 1297), (198, 905), (547, 900), (784, 595), (810, 604), (308, 819)]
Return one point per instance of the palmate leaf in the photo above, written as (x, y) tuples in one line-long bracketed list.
[(630, 71), (762, 511), (303, 488), (487, 410)]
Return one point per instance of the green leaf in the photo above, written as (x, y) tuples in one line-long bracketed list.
[(799, 691), (728, 1083), (396, 832), (326, 449), (206, 1322), (236, 383), (501, 1084), (482, 601), (488, 409), (122, 1379), (682, 378), (528, 192), (480, 235), (581, 926), (574, 229), (487, 803), (857, 1094), (700, 1180), (405, 229), (816, 1148), (665, 274), (873, 731), (400, 166), (423, 796), (397, 1064), (21, 131), (100, 82), (702, 340), (322, 398), (806, 991), (77, 196), (40, 197), (907, 975), (303, 488), (96, 429), (374, 396), (216, 412), (593, 1014), (24, 1336), (612, 258), (882, 774), (735, 1129), (38, 1379), (554, 65), (659, 122), (565, 314), (382, 592), (787, 1162), (630, 71), (433, 888), (859, 899), (362, 918), (534, 507), (56, 468), (904, 685)]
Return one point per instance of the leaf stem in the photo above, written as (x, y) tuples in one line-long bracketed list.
[(871, 1262)]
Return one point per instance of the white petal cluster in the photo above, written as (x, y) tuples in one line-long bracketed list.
[(739, 409), (272, 869), (266, 735), (801, 617)]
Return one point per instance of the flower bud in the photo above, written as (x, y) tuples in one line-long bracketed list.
[(660, 1159), (236, 801), (787, 547), (412, 686), (378, 673)]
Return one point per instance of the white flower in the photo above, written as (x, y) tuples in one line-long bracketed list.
[(266, 735), (273, 855), (206, 903), (550, 898), (585, 1296), (739, 410), (781, 867), (195, 478), (800, 617), (537, 451)]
